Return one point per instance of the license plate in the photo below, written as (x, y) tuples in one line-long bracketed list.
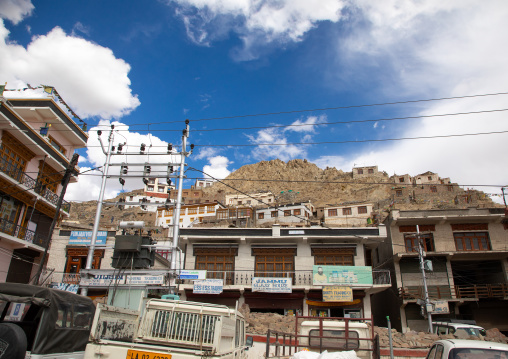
[(136, 354)]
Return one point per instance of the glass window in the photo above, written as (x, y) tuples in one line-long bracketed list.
[(346, 211), (332, 212), (472, 241), (261, 215)]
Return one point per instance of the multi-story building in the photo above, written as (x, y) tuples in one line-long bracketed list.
[(297, 214), (201, 183), (190, 214), (156, 188), (145, 198), (348, 215), (285, 270), (252, 199), (38, 140), (468, 252), (362, 172)]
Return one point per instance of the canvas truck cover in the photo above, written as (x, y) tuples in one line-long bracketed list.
[(64, 319)]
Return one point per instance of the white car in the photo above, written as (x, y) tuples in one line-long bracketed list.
[(467, 349), (453, 328)]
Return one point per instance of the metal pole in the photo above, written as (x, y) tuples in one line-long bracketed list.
[(91, 250), (422, 268), (390, 336)]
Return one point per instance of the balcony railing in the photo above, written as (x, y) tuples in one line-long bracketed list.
[(473, 291), (27, 181), (23, 233), (300, 277)]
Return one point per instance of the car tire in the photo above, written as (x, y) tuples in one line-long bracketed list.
[(13, 341)]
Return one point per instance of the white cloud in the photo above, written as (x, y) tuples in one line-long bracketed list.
[(15, 10), (218, 167), (307, 125), (257, 22), (88, 76), (88, 185), (205, 152)]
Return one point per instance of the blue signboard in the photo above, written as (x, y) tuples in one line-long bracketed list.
[(342, 275), (85, 237)]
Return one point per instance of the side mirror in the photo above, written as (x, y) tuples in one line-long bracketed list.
[(249, 341)]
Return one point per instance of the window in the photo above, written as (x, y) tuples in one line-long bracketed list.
[(297, 212), (429, 178), (275, 214), (56, 145), (210, 209), (269, 200), (401, 179), (219, 263), (411, 242), (433, 189), (151, 181), (196, 194), (48, 178), (398, 193), (149, 188), (261, 216), (274, 262), (287, 213), (346, 211), (362, 209), (160, 189), (239, 202), (360, 171), (334, 256), (193, 210), (201, 210), (249, 201), (472, 241), (332, 212), (370, 170), (450, 188)]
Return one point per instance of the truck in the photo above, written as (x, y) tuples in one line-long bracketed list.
[(167, 329)]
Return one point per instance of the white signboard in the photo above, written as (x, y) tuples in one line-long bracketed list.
[(440, 307), (103, 280), (208, 286), (145, 279), (192, 274), (272, 285)]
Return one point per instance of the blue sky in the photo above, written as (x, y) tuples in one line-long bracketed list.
[(147, 66)]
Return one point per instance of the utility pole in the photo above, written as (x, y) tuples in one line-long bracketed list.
[(422, 269), (91, 249), (65, 181)]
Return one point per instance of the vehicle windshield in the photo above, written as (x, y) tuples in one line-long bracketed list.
[(468, 331), (477, 353)]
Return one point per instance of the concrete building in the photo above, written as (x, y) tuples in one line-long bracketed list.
[(189, 214), (468, 249), (37, 142), (202, 183), (362, 172), (350, 215), (245, 263), (253, 199), (293, 215), (146, 198), (157, 188)]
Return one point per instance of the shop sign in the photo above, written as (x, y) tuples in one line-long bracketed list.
[(103, 280), (208, 286), (73, 288), (145, 279), (192, 274), (85, 237), (272, 285), (346, 275), (335, 293), (440, 307)]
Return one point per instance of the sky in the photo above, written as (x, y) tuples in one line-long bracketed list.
[(341, 83)]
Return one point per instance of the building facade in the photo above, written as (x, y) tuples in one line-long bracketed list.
[(245, 261), (37, 142), (468, 252), (190, 214), (252, 199), (297, 214), (350, 215)]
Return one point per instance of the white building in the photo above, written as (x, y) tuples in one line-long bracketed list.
[(146, 198), (351, 215), (253, 199), (290, 214), (157, 188), (189, 214), (201, 183)]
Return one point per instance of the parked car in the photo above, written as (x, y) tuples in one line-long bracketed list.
[(43, 322), (453, 328), (467, 349)]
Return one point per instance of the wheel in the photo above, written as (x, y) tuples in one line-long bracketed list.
[(13, 342)]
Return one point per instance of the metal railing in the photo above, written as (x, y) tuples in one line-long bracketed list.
[(299, 277), (23, 233), (38, 187), (497, 290)]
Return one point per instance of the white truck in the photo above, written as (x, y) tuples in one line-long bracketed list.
[(167, 329)]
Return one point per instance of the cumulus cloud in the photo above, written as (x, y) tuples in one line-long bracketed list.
[(217, 167), (88, 76), (257, 23), (15, 10), (88, 185)]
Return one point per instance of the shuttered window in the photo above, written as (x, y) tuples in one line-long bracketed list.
[(334, 256), (219, 263), (274, 262)]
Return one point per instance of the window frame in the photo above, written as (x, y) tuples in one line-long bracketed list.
[(463, 236)]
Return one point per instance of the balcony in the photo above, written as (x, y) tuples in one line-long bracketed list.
[(472, 291), (32, 184), (300, 277), (22, 233)]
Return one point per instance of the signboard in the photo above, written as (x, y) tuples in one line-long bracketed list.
[(145, 279), (85, 237), (208, 286), (296, 231), (103, 280), (192, 274), (347, 275), (440, 307), (335, 293), (272, 285), (73, 288)]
